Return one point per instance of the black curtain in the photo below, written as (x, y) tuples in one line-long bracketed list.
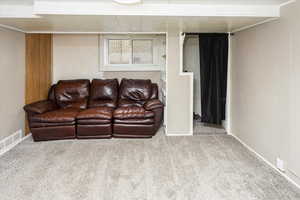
[(213, 74)]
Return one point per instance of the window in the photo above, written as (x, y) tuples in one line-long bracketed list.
[(142, 52), (129, 53), (119, 51), (135, 51)]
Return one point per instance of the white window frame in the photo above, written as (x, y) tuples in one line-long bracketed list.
[(104, 57)]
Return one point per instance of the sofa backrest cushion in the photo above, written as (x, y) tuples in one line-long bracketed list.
[(51, 94), (72, 93), (104, 93), (135, 89), (154, 94)]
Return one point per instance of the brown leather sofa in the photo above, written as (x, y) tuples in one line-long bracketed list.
[(96, 121), (78, 109), (139, 113)]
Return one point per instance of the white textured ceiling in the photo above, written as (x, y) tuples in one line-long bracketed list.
[(16, 2), (130, 23), (206, 2), (223, 2), (28, 16)]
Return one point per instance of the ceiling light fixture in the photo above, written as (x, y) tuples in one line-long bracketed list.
[(128, 2)]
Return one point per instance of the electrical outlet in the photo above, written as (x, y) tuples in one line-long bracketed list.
[(280, 164)]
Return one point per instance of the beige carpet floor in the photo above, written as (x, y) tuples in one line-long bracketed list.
[(211, 167)]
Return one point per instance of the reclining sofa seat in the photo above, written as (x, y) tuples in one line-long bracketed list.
[(96, 121), (75, 108), (55, 118), (139, 113)]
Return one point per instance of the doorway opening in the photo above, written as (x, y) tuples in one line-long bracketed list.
[(191, 63)]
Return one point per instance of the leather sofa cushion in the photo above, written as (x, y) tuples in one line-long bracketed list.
[(53, 133), (56, 116), (128, 103), (51, 93), (79, 104), (40, 107), (40, 124), (153, 104), (135, 89), (104, 91), (154, 94), (93, 121), (133, 130), (101, 103), (134, 121), (96, 113), (133, 112), (72, 93)]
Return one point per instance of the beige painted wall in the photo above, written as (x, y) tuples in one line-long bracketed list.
[(12, 82), (77, 56), (191, 63), (179, 112), (265, 80)]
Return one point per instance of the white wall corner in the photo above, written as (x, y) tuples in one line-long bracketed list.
[(227, 122), (191, 78)]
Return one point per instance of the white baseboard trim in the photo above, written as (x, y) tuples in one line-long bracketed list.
[(266, 161), (11, 141), (173, 133), (179, 135), (27, 136)]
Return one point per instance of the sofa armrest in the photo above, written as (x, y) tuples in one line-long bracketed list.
[(40, 107), (153, 104)]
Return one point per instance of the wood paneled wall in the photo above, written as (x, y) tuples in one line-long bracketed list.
[(38, 67)]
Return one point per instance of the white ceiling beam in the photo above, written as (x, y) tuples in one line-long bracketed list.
[(17, 11), (100, 8), (99, 32), (2, 26)]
